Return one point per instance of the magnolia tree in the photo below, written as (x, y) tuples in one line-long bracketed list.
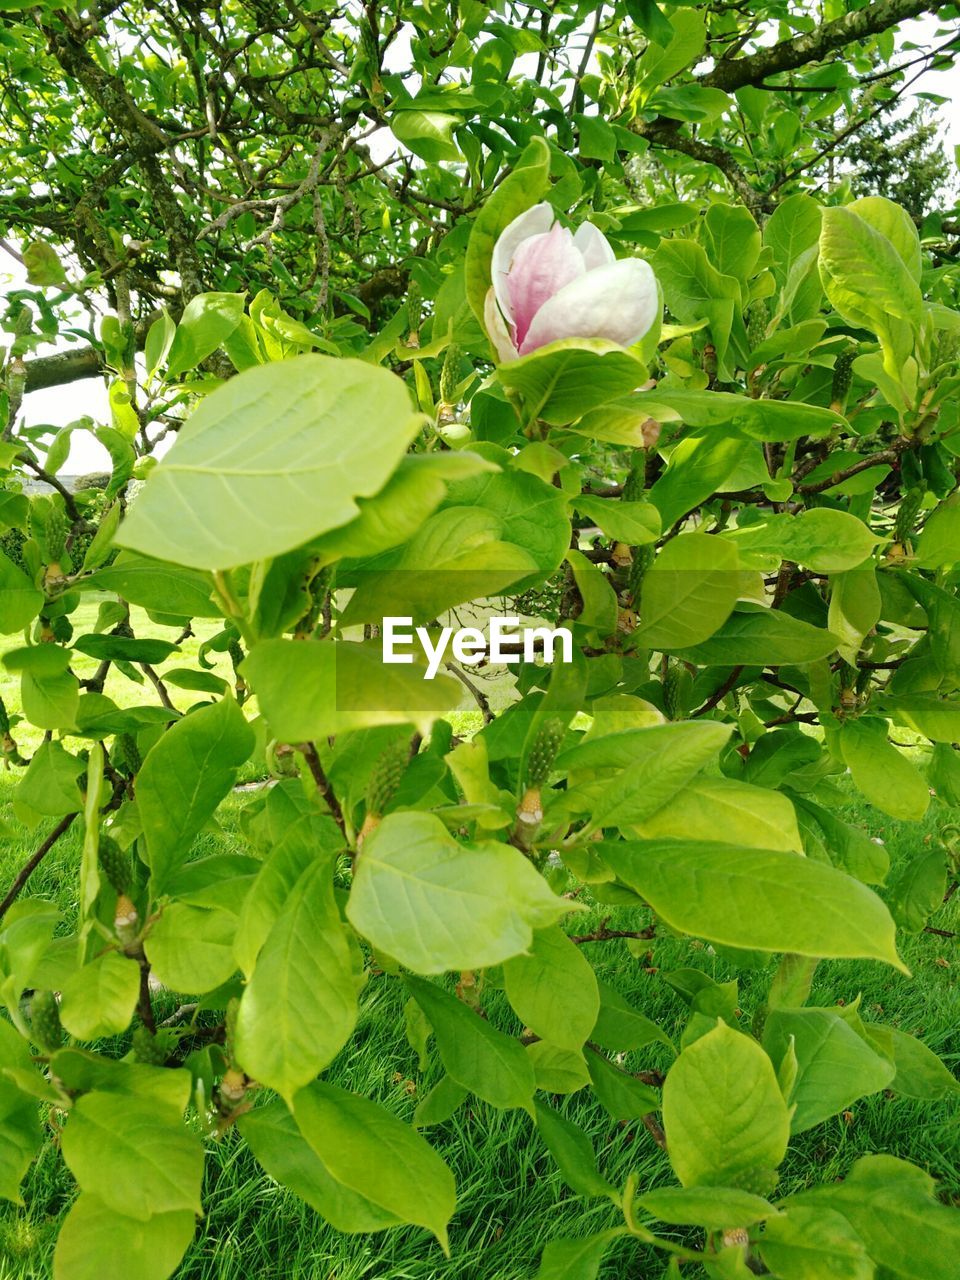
[(709, 437)]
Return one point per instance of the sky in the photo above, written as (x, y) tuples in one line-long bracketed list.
[(60, 405)]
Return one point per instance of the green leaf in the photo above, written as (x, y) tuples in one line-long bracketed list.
[(300, 1005), (808, 1243), (698, 466), (97, 1243), (553, 990), (311, 690), (757, 419), (100, 998), (824, 540), (634, 523), (190, 949), (620, 1027), (918, 888), (184, 778), (723, 1111), (567, 1259), (557, 1070), (868, 283), (689, 591), (49, 785), (207, 321), (443, 1100), (930, 714), (436, 904), (891, 1207), (20, 600), (138, 1162), (762, 637), (623, 1096), (695, 290), (271, 458), (881, 772), (482, 1059), (563, 380), (762, 899), (573, 1152), (428, 134), (520, 189), (895, 223), (370, 1151), (124, 648), (729, 811), (944, 773), (275, 1140), (715, 1208), (835, 1066), (19, 1115), (920, 1073), (855, 609), (651, 765), (938, 546), (154, 585)]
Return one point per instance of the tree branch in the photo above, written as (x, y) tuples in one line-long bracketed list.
[(28, 868)]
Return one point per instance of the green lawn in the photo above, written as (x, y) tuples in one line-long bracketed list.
[(511, 1200)]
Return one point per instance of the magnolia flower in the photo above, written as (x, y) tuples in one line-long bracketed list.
[(551, 283)]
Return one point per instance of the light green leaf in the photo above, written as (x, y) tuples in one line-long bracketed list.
[(808, 1243), (762, 899), (553, 990), (938, 546), (723, 1111), (634, 523), (573, 1152), (100, 998), (920, 1073), (370, 1151), (275, 1140), (733, 812), (436, 904), (273, 457), (20, 600), (97, 1243), (567, 1259), (428, 134), (557, 1070), (891, 1206), (762, 637), (881, 772), (835, 1066), (310, 690), (300, 1006), (183, 779), (50, 783), (689, 591), (138, 1162), (563, 380), (824, 540), (620, 1093), (207, 321), (190, 948), (715, 1208), (482, 1059)]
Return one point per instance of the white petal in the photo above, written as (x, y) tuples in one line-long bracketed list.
[(532, 223), (594, 246), (496, 328), (618, 302)]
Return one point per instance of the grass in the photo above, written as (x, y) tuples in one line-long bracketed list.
[(511, 1200)]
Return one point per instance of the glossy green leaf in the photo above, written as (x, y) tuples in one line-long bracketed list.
[(553, 990), (273, 457), (762, 899), (98, 1243), (723, 1111), (100, 998), (436, 904)]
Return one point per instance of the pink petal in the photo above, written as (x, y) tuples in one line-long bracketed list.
[(618, 302), (541, 267), (532, 223), (593, 245), (497, 330)]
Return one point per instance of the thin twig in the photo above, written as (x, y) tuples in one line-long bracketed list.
[(28, 868)]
